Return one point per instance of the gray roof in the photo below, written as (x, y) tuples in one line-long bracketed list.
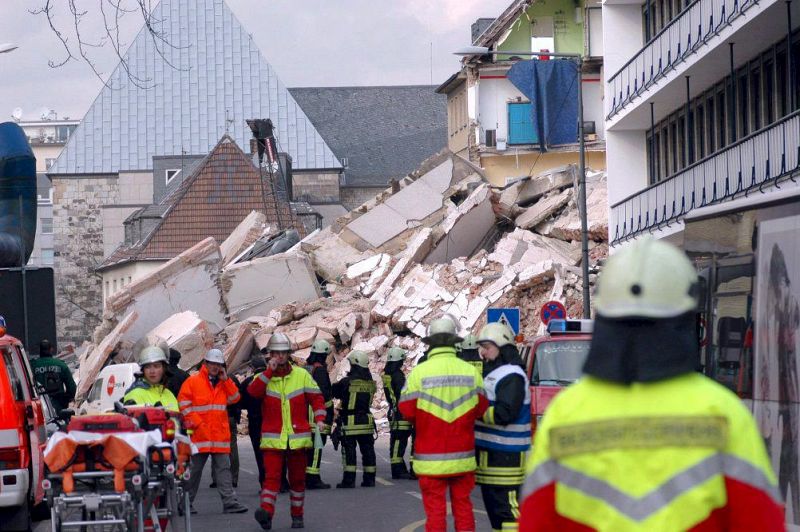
[(218, 79), (384, 132)]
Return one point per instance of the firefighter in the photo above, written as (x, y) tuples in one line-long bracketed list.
[(150, 388), (286, 392), (317, 366), (442, 399), (203, 401), (175, 375), (642, 441), (54, 376), (400, 430), (468, 352), (356, 392), (503, 435)]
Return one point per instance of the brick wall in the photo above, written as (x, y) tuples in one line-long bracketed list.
[(315, 188), (352, 197), (78, 245)]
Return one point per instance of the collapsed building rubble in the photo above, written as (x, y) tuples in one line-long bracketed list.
[(439, 241)]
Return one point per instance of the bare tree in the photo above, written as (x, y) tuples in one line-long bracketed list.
[(80, 41)]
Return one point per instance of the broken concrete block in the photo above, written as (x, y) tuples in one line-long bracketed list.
[(245, 234), (528, 191), (283, 314), (348, 326), (262, 339), (377, 276), (96, 359), (464, 229), (418, 247), (255, 287), (239, 348), (568, 226), (187, 333), (366, 266), (302, 338), (324, 335), (543, 209), (301, 355)]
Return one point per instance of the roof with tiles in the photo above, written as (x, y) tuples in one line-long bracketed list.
[(221, 192)]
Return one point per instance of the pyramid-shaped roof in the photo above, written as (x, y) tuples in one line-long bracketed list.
[(224, 188), (210, 79)]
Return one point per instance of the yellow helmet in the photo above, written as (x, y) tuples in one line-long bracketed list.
[(647, 279), (497, 333)]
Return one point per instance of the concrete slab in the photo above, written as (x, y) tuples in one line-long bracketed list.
[(187, 333), (239, 348), (416, 201), (417, 248), (440, 177), (245, 234), (255, 287), (464, 228), (96, 359), (379, 225), (543, 209)]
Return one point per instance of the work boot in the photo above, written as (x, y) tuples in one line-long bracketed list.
[(368, 480), (212, 485), (297, 521), (235, 508), (313, 482), (348, 481), (264, 519), (399, 471)]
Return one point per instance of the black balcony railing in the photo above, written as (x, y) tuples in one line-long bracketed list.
[(694, 26), (752, 164)]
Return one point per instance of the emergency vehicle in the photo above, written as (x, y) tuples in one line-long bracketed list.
[(108, 388), (555, 360), (23, 436)]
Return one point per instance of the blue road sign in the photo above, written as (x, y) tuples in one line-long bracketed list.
[(509, 316)]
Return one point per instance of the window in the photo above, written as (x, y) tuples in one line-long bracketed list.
[(769, 91), (721, 114), (700, 134), (47, 226), (48, 257), (114, 286), (710, 128), (743, 106), (755, 101), (170, 175), (63, 132), (782, 83)]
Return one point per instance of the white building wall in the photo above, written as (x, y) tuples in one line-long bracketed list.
[(115, 279), (626, 160)]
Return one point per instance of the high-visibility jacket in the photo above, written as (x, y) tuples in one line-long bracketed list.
[(143, 393), (284, 407), (678, 454), (442, 398), (205, 408), (392, 387), (356, 392)]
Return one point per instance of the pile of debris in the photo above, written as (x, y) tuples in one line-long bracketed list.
[(439, 241)]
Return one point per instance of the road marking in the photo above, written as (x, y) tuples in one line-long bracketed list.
[(247, 471), (416, 494), (383, 481)]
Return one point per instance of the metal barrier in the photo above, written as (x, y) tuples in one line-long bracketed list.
[(694, 26), (759, 160)]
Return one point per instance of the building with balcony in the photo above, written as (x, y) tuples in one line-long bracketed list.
[(47, 137), (702, 122), (490, 118)]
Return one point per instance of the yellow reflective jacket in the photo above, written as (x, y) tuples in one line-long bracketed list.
[(677, 454), (142, 393)]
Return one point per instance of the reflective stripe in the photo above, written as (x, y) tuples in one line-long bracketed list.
[(516, 427), (301, 391), (204, 408), (263, 378), (297, 494), (640, 508), (273, 393), (213, 444), (296, 503), (524, 440), (321, 412), (270, 435), (184, 403), (271, 493), (443, 456), (235, 397), (448, 380), (449, 406), (370, 469), (299, 435)]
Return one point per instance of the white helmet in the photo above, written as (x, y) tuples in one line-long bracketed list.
[(647, 279), (151, 354), (496, 333), (395, 354), (279, 342), (215, 355), (358, 358)]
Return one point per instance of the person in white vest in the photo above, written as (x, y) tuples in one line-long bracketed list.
[(503, 435)]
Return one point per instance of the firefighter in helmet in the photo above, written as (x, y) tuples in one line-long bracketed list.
[(400, 429), (356, 392), (503, 434), (150, 389), (317, 366), (643, 441), (468, 352)]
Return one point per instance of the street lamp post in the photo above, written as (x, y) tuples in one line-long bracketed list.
[(578, 58)]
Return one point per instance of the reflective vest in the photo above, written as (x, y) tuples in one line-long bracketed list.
[(356, 413), (143, 393), (669, 455), (205, 408), (397, 423), (284, 407), (514, 437), (442, 398)]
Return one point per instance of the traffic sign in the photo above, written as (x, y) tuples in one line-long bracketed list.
[(553, 310), (507, 316)]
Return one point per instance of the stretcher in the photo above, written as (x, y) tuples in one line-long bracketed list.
[(121, 471)]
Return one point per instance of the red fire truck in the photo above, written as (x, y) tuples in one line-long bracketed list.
[(555, 360)]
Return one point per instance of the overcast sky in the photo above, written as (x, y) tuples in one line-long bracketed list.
[(308, 42)]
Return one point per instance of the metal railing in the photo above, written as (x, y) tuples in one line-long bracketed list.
[(757, 161), (694, 26)]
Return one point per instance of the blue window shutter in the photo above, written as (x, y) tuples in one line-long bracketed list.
[(520, 124)]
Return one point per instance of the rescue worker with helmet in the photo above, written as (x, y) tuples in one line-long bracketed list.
[(400, 429), (443, 398), (642, 441), (203, 401), (286, 393), (356, 391), (503, 435), (316, 363), (175, 375), (150, 389), (54, 376), (468, 352)]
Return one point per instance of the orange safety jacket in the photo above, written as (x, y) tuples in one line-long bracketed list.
[(284, 409), (205, 408)]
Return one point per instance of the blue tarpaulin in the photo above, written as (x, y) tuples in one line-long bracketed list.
[(552, 87)]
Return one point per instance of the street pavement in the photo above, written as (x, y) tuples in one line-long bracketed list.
[(391, 506)]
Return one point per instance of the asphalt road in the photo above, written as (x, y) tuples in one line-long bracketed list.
[(391, 506)]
